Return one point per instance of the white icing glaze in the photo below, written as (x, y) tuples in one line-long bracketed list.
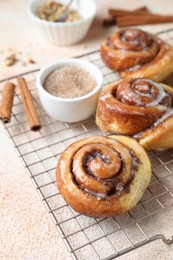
[(134, 68), (166, 115), (159, 121), (108, 95), (97, 195), (162, 93), (144, 87)]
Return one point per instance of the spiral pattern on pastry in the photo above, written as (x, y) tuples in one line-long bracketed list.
[(103, 176), (135, 106), (138, 54)]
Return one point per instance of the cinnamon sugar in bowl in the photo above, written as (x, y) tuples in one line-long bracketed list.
[(70, 82), (69, 89)]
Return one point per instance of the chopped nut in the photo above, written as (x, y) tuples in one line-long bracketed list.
[(51, 11), (32, 61), (10, 60)]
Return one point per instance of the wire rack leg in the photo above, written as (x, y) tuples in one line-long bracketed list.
[(167, 241)]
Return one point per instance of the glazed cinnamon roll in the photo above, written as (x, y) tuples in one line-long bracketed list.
[(140, 108), (103, 176), (138, 54)]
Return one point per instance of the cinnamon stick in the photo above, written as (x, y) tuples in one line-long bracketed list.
[(29, 106), (131, 20), (120, 12), (109, 21), (143, 8), (7, 102)]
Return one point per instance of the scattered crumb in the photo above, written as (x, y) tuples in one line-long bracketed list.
[(31, 61), (10, 50), (85, 46), (11, 57)]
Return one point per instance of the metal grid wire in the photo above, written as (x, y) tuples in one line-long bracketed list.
[(90, 238)]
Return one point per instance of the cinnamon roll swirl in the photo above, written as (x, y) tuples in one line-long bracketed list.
[(103, 176), (140, 108), (138, 54)]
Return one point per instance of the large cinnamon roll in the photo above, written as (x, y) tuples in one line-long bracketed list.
[(140, 108), (103, 176), (138, 54)]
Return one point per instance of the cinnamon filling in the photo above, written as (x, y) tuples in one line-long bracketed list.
[(102, 170), (142, 92), (130, 40), (102, 165)]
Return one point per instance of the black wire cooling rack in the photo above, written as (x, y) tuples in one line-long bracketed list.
[(90, 238)]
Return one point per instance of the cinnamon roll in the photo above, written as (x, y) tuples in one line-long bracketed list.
[(103, 176), (138, 54), (140, 108)]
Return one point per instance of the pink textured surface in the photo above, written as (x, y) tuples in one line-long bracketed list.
[(27, 231)]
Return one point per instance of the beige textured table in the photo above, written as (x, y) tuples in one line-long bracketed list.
[(26, 229)]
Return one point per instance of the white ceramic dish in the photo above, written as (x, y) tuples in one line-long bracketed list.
[(64, 33), (69, 109)]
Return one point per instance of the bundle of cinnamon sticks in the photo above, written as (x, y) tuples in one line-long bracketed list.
[(140, 16), (28, 104)]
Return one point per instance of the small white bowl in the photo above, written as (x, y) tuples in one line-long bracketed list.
[(64, 33), (69, 109)]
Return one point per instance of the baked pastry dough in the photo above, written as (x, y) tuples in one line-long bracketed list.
[(140, 108), (138, 54), (103, 176)]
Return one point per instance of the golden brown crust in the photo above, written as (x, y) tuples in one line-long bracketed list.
[(160, 137), (140, 108), (103, 176), (152, 59)]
